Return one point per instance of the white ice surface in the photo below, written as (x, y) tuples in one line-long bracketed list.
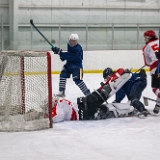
[(112, 139)]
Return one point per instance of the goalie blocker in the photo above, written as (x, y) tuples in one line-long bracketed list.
[(88, 105)]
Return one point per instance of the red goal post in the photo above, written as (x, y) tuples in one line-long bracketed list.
[(25, 90)]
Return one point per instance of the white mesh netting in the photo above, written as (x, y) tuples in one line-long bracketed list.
[(25, 89)]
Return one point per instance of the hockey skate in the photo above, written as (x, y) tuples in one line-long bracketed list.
[(133, 113), (156, 109), (144, 113), (61, 94)]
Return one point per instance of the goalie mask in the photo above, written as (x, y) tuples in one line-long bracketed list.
[(107, 73)]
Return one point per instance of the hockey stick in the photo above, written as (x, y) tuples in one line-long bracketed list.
[(31, 22), (145, 99), (140, 69)]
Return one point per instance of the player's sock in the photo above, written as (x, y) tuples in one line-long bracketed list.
[(156, 109), (62, 84), (83, 88)]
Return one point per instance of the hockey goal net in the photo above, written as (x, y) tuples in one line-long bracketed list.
[(25, 90)]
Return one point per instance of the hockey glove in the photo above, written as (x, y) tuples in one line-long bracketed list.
[(56, 50), (141, 75)]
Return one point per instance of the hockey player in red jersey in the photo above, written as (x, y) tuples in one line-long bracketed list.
[(89, 105), (114, 81), (150, 53), (133, 89)]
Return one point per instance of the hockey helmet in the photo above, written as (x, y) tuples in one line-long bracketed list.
[(149, 33), (74, 37), (107, 72)]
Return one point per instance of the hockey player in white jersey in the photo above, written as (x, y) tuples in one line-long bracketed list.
[(151, 56)]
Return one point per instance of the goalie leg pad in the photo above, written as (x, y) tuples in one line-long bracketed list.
[(83, 108), (88, 105), (121, 109)]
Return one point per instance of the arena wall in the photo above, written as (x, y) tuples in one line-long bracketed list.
[(96, 61)]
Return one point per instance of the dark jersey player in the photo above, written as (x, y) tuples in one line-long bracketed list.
[(73, 66)]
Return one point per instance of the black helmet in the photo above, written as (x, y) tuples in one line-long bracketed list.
[(107, 72)]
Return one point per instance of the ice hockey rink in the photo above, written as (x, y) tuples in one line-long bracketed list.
[(128, 138)]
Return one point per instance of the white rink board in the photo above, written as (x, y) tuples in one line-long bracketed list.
[(98, 60)]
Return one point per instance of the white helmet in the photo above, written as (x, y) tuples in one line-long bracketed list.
[(74, 37)]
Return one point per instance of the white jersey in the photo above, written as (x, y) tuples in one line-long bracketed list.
[(64, 110), (150, 58)]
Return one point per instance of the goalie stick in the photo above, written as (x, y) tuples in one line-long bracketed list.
[(31, 22), (145, 99)]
